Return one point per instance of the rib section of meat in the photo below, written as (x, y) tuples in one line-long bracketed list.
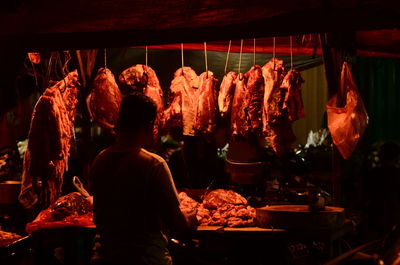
[(226, 92), (72, 209), (240, 123), (255, 90), (220, 208), (206, 104), (293, 102), (48, 150), (143, 79), (104, 99)]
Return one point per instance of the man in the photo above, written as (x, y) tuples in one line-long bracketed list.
[(134, 193)]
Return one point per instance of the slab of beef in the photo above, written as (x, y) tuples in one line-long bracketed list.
[(72, 209), (141, 78), (277, 127), (206, 104), (187, 204), (293, 102), (255, 87), (240, 124), (183, 98), (51, 131), (226, 92), (104, 99)]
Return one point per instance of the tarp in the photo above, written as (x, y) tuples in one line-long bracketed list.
[(77, 24)]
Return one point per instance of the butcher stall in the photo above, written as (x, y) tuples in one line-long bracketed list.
[(260, 111)]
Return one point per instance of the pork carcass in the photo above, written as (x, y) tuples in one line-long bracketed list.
[(141, 78), (51, 130), (226, 92), (293, 102), (255, 87), (240, 124), (104, 99), (206, 104)]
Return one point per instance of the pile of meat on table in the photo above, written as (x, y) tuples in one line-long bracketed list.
[(72, 209), (220, 208)]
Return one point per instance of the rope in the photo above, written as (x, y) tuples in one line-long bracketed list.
[(240, 54), (254, 49), (105, 57), (205, 58), (227, 56), (291, 53), (182, 57), (273, 52), (147, 54)]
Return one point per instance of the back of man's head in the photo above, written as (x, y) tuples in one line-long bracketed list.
[(137, 112)]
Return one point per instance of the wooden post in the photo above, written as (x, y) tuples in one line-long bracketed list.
[(333, 59)]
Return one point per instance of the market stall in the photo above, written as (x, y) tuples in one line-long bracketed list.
[(223, 123)]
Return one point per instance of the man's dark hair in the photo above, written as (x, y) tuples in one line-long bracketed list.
[(137, 111)]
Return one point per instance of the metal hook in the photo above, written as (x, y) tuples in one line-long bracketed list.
[(146, 56), (105, 57), (205, 58), (182, 58), (291, 53), (240, 56), (254, 50)]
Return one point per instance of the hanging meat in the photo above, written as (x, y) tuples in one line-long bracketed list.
[(226, 92), (51, 130), (276, 125), (240, 124), (184, 98), (104, 99), (206, 104), (255, 87), (293, 102), (141, 78)]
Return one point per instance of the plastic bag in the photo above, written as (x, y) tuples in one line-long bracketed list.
[(347, 124)]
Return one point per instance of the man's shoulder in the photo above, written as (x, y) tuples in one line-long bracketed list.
[(151, 156)]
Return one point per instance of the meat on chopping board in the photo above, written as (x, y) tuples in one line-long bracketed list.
[(72, 209), (206, 105), (255, 87), (240, 124), (226, 92), (143, 79), (104, 99), (48, 150), (220, 208)]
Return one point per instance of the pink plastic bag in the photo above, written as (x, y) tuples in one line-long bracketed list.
[(347, 124)]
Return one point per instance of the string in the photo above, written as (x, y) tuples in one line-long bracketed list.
[(227, 56), (291, 53), (146, 56), (205, 58), (254, 49), (240, 54), (182, 57), (273, 52), (105, 57)]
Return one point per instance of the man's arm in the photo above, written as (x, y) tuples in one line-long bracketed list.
[(166, 197)]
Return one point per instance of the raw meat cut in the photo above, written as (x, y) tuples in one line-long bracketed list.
[(226, 92), (51, 130), (221, 207), (293, 100), (240, 123), (141, 78), (277, 127), (218, 198), (206, 105), (72, 209), (255, 87), (104, 99)]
